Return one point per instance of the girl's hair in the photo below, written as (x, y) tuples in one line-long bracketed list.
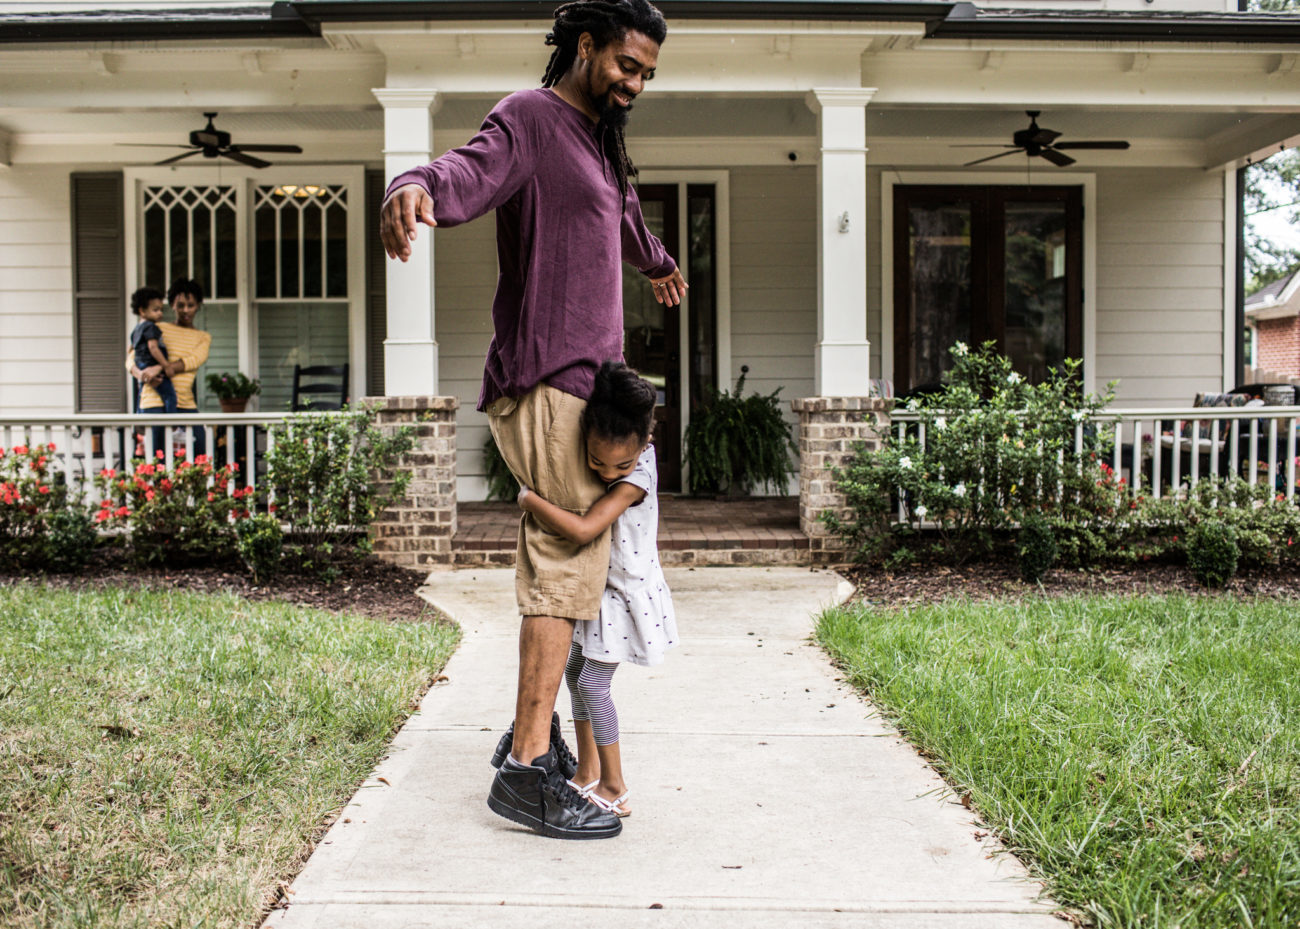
[(606, 20), (621, 405)]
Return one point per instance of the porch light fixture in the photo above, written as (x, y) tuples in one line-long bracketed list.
[(293, 190)]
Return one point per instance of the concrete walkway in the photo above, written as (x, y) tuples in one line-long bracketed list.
[(764, 793)]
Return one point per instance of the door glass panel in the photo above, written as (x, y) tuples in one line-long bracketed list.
[(297, 333), (703, 338), (939, 246), (1035, 287), (643, 316)]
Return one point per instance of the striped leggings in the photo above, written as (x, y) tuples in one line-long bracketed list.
[(589, 682)]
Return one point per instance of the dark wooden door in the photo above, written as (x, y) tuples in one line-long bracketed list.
[(975, 264), (652, 335)]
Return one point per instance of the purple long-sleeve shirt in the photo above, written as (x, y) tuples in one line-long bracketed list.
[(562, 233)]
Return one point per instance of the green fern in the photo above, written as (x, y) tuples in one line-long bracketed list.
[(501, 483), (736, 443)]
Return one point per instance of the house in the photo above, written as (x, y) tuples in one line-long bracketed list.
[(851, 186), (1273, 315)]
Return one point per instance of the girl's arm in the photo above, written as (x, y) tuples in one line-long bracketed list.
[(581, 529), (157, 352)]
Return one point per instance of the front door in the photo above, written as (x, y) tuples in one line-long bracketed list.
[(652, 335), (975, 264)]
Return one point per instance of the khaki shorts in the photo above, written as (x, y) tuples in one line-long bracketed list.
[(540, 438)]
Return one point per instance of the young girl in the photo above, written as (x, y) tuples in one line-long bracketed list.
[(636, 621)]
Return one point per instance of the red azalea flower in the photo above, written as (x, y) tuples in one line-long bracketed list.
[(122, 511), (102, 515), (20, 449), (105, 504), (159, 454), (271, 508), (148, 494), (211, 496), (50, 447), (43, 489)]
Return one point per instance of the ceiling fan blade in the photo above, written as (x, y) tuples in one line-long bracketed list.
[(1057, 158), (980, 145), (288, 149), (989, 158), (1110, 145), (149, 145), (176, 158), (1044, 137), (246, 159)]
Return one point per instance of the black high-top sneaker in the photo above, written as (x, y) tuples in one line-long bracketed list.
[(563, 757), (538, 796)]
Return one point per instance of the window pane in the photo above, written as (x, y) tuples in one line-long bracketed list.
[(155, 248), (643, 316), (220, 320), (289, 285), (264, 233), (1035, 287), (337, 250), (312, 242), (702, 338), (202, 270), (225, 282), (308, 333), (939, 245), (179, 246)]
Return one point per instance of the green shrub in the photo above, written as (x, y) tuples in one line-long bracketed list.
[(70, 541), (736, 444), (260, 542), (501, 482), (30, 494), (333, 473), (1212, 553), (997, 449), (175, 516), (1036, 548)]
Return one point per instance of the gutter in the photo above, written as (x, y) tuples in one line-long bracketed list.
[(318, 11), (966, 22)]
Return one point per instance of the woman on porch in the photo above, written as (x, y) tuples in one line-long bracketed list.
[(188, 349)]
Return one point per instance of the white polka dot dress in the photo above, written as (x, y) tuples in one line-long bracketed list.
[(637, 621)]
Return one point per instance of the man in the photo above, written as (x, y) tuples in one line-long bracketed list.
[(188, 350), (552, 163)]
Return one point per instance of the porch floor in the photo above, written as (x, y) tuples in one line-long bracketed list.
[(764, 530)]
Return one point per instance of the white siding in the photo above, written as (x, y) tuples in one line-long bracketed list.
[(1159, 284), (36, 333), (464, 282), (774, 279)]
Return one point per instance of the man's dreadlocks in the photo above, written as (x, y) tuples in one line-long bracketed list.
[(606, 20)]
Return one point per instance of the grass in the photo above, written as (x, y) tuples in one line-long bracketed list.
[(167, 758), (1141, 754)]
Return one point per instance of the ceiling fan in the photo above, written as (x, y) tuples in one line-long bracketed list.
[(1041, 143), (213, 143)]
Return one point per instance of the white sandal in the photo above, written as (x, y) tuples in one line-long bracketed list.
[(614, 806), (584, 792)]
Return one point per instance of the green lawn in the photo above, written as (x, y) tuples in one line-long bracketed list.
[(165, 758), (1141, 754)]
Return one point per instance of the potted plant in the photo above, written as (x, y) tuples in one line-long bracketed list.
[(735, 443), (233, 390)]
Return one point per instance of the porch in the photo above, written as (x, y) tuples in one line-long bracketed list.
[(756, 531)]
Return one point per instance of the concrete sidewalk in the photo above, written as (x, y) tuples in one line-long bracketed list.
[(763, 793)]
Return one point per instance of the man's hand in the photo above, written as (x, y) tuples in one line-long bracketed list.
[(398, 216), (151, 375), (670, 290)]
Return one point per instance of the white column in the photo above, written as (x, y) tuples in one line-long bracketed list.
[(842, 356), (410, 350)]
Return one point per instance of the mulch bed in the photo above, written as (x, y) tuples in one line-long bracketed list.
[(991, 581), (364, 586)]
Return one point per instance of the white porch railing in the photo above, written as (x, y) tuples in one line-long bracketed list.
[(1152, 453), (87, 443)]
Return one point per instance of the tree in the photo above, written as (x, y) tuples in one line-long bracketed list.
[(1271, 185)]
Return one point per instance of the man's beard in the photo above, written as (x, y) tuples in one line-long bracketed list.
[(610, 114)]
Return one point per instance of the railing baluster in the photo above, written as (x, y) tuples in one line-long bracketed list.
[(1196, 453), (1272, 454), (1290, 458), (1252, 462), (1214, 447), (1176, 459), (1234, 442), (169, 447), (1157, 446), (230, 459)]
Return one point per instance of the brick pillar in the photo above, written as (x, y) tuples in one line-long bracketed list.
[(416, 531), (829, 428)]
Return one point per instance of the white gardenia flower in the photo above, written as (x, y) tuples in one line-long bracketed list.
[(1013, 378), (961, 349), (921, 510), (960, 490), (1078, 416), (941, 422), (905, 462)]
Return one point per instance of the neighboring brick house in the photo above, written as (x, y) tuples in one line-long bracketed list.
[(1273, 316)]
